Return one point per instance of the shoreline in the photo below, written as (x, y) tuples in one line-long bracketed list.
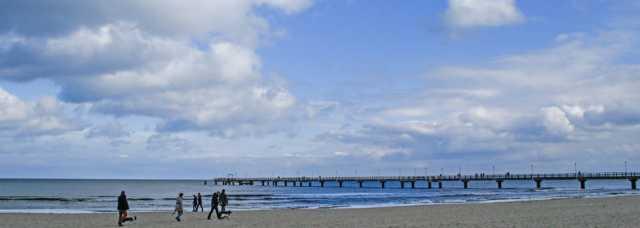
[(617, 211), (374, 206)]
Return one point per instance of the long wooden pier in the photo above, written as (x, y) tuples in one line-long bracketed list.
[(320, 181)]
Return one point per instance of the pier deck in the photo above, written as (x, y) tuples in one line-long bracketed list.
[(465, 179)]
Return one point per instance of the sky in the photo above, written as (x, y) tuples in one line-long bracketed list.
[(208, 88)]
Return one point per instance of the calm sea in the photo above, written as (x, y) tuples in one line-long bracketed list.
[(78, 196)]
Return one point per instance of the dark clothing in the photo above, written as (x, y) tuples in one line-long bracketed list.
[(200, 203), (195, 203), (214, 206), (214, 200), (123, 217), (224, 201), (123, 205)]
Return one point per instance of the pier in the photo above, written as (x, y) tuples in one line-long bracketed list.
[(430, 181)]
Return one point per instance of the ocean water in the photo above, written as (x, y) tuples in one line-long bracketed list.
[(91, 196)]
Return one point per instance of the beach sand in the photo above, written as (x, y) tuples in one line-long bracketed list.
[(600, 212)]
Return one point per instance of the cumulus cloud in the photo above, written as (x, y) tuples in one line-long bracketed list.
[(603, 116), (195, 71), (556, 122), (234, 20), (26, 119), (482, 13), (541, 104)]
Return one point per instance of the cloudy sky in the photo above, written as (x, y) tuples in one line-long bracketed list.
[(204, 88)]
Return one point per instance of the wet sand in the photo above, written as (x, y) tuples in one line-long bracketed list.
[(601, 212)]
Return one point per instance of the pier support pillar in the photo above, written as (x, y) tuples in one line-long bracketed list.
[(300, 184), (633, 180), (466, 183), (360, 184), (262, 183), (322, 184), (413, 184), (538, 182), (439, 184), (340, 184), (275, 183), (286, 183), (401, 184), (499, 184), (582, 182), (382, 184), (309, 184), (429, 184)]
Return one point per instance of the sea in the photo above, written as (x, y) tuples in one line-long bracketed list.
[(100, 196)]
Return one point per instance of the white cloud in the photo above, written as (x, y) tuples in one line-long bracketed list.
[(232, 20), (195, 71), (44, 117), (482, 13), (545, 104), (556, 122)]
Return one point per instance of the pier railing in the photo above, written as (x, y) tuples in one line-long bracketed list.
[(499, 178)]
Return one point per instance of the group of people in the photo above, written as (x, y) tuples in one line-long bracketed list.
[(219, 202), (197, 203), (218, 199)]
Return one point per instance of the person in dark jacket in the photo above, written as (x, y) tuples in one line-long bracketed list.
[(200, 203), (123, 206), (214, 206), (224, 201), (195, 203)]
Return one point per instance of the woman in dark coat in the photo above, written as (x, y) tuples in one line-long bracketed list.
[(123, 206)]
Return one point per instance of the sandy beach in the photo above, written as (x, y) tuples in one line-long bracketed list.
[(600, 212)]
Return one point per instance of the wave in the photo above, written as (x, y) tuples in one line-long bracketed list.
[(65, 199), (141, 199), (39, 198)]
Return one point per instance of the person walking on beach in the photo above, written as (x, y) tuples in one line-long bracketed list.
[(194, 204), (179, 206), (224, 201), (214, 206), (200, 203), (123, 206)]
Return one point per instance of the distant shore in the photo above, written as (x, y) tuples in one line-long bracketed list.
[(620, 211)]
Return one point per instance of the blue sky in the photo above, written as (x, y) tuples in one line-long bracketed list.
[(284, 87)]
